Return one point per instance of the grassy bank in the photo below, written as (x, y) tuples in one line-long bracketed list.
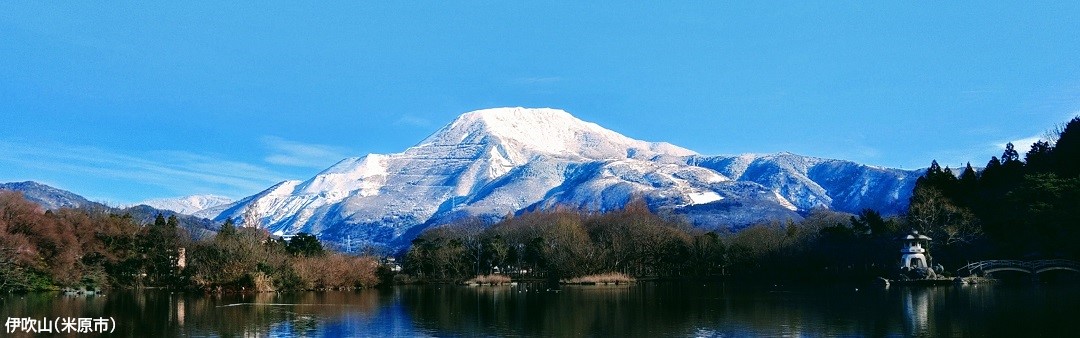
[(604, 278)]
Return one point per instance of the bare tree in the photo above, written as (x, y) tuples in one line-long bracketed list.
[(934, 215), (252, 216)]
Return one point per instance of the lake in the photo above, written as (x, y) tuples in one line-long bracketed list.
[(646, 309)]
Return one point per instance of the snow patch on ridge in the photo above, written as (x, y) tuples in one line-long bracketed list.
[(784, 202), (187, 205), (704, 197)]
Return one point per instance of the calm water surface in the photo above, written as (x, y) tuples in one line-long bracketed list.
[(647, 309)]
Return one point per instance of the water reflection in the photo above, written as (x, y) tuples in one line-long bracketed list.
[(648, 309), (917, 310), (639, 310)]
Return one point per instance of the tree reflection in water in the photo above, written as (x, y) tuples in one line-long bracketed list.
[(645, 309)]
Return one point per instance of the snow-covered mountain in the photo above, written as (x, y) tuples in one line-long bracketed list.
[(187, 205), (492, 162), (810, 182), (48, 197)]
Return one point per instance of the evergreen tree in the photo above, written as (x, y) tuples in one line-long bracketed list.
[(941, 179), (1048, 209), (868, 223), (1040, 158), (967, 187), (934, 169), (993, 165), (1066, 153), (1012, 168), (160, 244), (993, 187), (228, 228), (1010, 153), (304, 244)]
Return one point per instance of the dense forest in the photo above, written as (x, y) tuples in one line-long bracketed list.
[(635, 241), (1012, 209), (96, 249)]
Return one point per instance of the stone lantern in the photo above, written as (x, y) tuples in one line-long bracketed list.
[(914, 253)]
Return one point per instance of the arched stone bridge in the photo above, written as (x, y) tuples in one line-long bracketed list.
[(1032, 267)]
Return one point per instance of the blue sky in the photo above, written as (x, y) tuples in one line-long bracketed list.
[(127, 102)]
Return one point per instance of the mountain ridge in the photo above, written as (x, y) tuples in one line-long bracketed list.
[(491, 162), (187, 205), (50, 198)]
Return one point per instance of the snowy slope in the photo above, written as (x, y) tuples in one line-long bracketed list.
[(810, 182), (48, 197), (187, 205), (492, 162)]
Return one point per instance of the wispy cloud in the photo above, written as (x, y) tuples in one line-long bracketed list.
[(1022, 145), (537, 80), (413, 121), (172, 170), (295, 154)]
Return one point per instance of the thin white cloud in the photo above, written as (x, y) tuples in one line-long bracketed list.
[(296, 154), (1024, 143), (537, 80), (1021, 145), (173, 170), (413, 121)]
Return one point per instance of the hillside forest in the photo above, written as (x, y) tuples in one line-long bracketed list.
[(93, 249)]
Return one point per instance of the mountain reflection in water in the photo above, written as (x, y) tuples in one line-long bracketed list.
[(646, 309)]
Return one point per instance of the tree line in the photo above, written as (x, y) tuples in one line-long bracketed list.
[(95, 249), (1012, 209), (563, 243), (560, 243)]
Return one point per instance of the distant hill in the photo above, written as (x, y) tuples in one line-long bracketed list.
[(48, 197), (198, 227), (51, 198)]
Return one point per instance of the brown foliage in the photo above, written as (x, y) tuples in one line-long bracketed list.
[(558, 242), (603, 278), (335, 271), (49, 241), (489, 280)]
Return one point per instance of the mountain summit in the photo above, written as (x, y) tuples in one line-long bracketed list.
[(492, 162), (523, 133)]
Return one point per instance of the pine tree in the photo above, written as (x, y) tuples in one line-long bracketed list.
[(942, 180), (304, 244), (934, 169), (1066, 154), (993, 164), (1040, 158), (160, 242), (228, 228), (1010, 153), (1012, 168), (967, 187)]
